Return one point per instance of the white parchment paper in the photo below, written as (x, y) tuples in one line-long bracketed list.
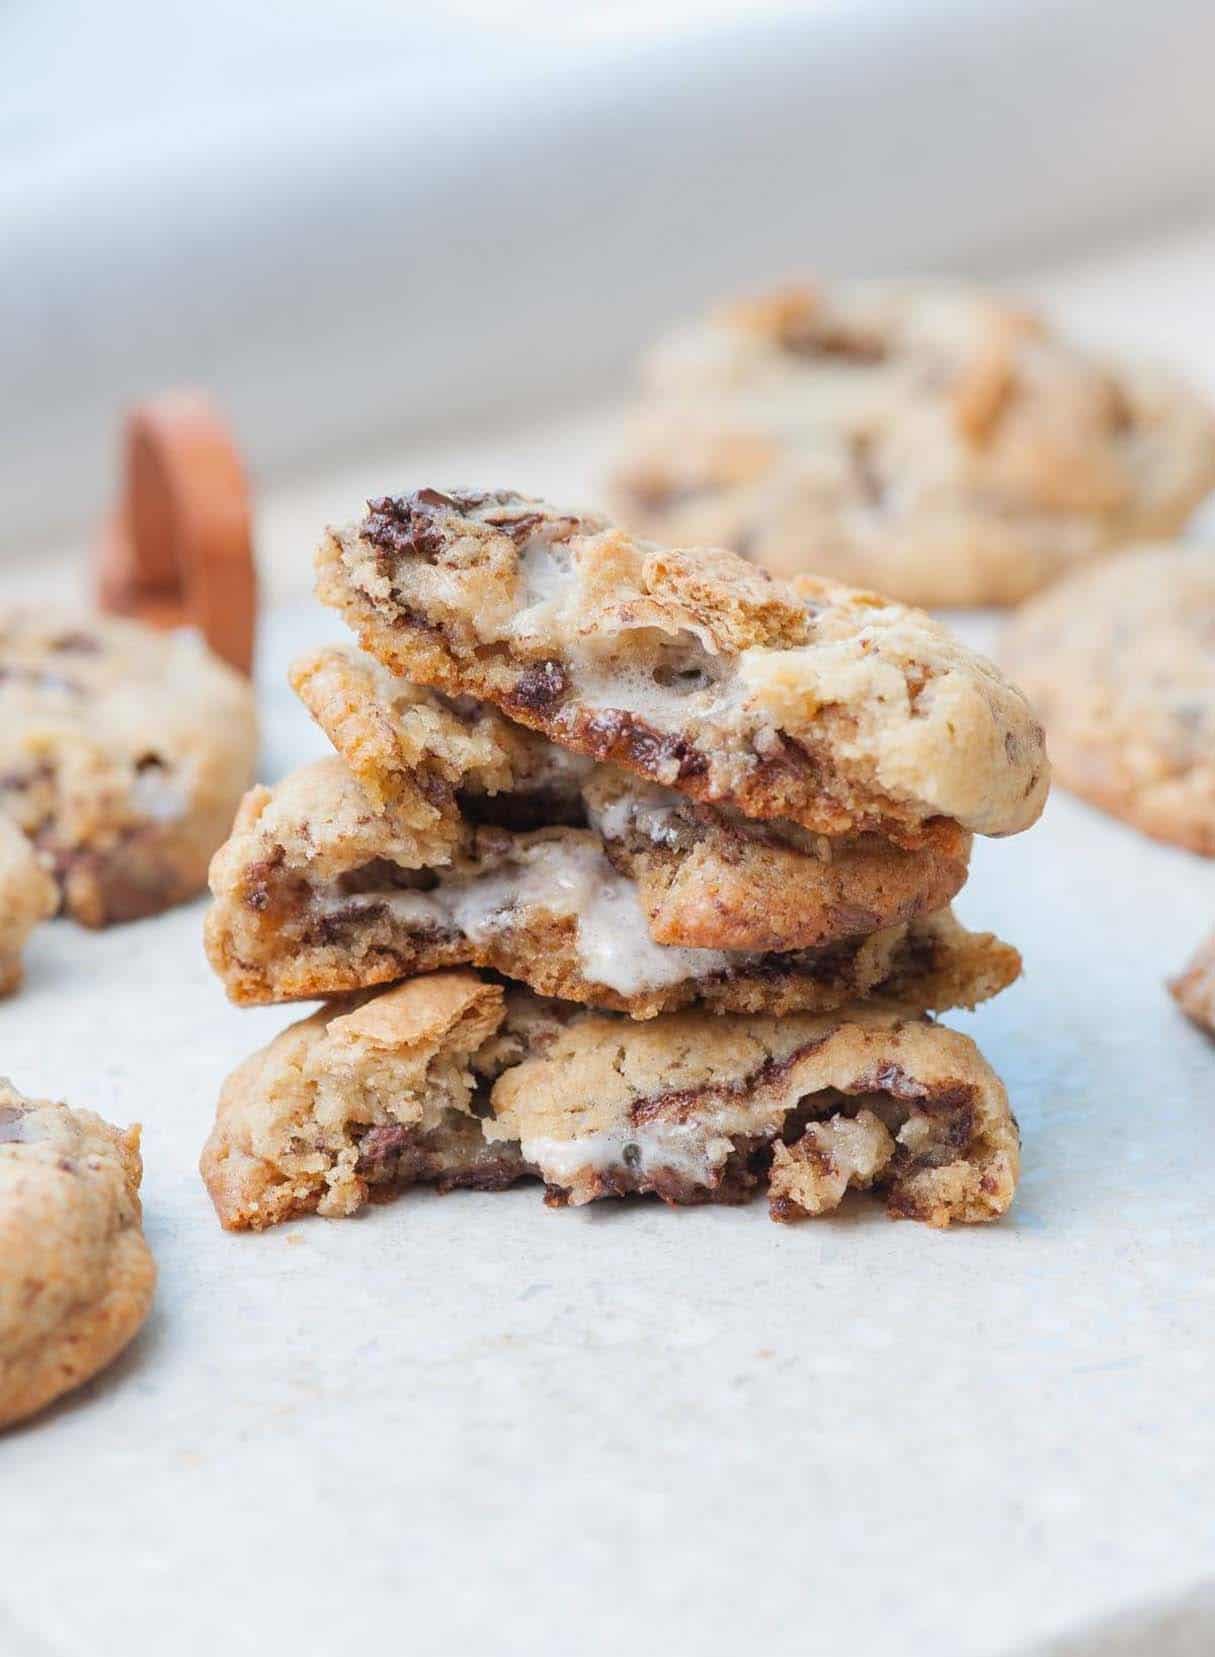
[(467, 1424)]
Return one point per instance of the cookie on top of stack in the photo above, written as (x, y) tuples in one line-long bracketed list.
[(657, 855)]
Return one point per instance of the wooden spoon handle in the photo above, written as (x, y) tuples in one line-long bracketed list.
[(179, 550)]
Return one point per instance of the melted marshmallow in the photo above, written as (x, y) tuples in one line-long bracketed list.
[(558, 878), (649, 811), (694, 1149)]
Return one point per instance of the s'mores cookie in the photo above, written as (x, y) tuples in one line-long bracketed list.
[(1119, 663), (930, 441), (823, 706), (699, 1108), (317, 893), (455, 1080), (123, 754), (706, 876), (362, 1099)]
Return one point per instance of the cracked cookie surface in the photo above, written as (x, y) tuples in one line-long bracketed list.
[(826, 706), (76, 1276), (707, 877), (316, 893), (931, 442), (123, 755), (1120, 662)]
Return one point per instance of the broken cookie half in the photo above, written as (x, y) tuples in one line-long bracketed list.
[(317, 893), (455, 1080), (822, 705), (362, 1099), (707, 877)]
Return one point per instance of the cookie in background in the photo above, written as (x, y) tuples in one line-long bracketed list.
[(123, 755), (930, 441), (1119, 663)]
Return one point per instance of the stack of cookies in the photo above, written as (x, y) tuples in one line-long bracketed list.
[(656, 854)]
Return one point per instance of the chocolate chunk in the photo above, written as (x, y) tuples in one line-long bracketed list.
[(540, 686), (402, 527), (618, 735), (434, 497), (408, 525), (806, 339), (23, 777), (338, 926), (519, 529), (685, 1104), (435, 789), (655, 494), (690, 761), (381, 1145), (468, 500), (77, 643), (955, 1099), (258, 878)]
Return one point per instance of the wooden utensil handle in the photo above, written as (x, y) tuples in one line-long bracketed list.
[(179, 550)]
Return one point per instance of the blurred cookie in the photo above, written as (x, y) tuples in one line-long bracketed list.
[(706, 877), (27, 895), (1194, 990), (316, 893), (76, 1276), (928, 441), (357, 1101), (1120, 663), (123, 755), (831, 708)]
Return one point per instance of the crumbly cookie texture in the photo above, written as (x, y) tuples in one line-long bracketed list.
[(710, 878), (833, 708), (316, 894), (707, 877), (123, 755), (1194, 989), (361, 1100), (422, 757), (931, 442), (1118, 661), (699, 1108), (452, 1080), (27, 895), (76, 1276)]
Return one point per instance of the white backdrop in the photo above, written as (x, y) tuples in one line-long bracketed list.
[(384, 219)]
